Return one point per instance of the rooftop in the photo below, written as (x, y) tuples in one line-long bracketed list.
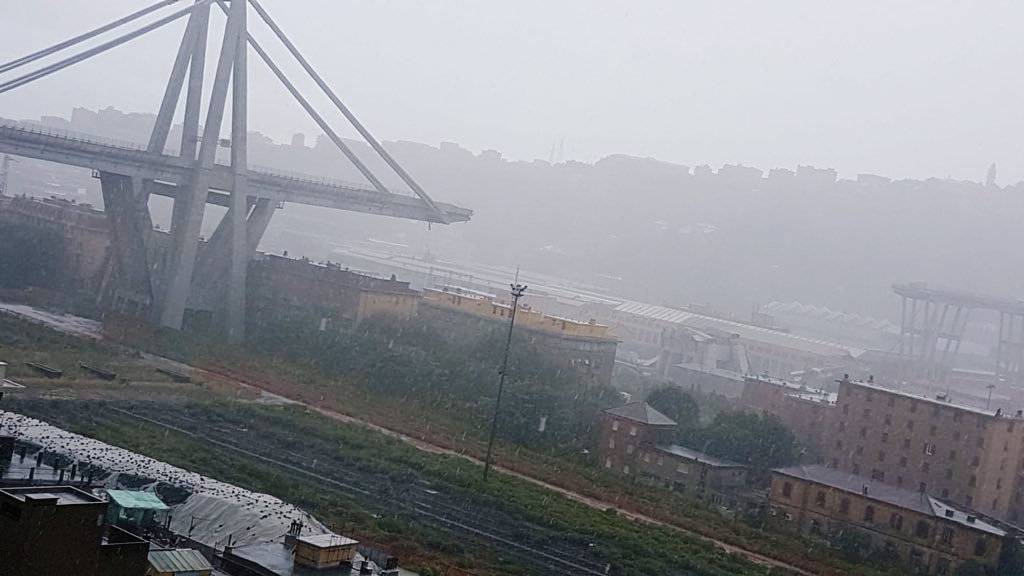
[(276, 558), (641, 412), (64, 495), (746, 331), (930, 400), (135, 500), (180, 560), (697, 456), (328, 540), (900, 497)]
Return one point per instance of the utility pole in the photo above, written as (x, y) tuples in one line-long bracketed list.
[(517, 293)]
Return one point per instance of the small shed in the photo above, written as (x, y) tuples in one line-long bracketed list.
[(324, 551), (134, 508), (180, 562)]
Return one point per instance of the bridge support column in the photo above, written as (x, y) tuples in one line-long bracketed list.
[(128, 286), (237, 213), (186, 236)]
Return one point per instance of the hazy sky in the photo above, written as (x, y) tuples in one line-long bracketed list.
[(902, 88)]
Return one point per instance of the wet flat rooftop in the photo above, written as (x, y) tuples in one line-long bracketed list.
[(65, 495)]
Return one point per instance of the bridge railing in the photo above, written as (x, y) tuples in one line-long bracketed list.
[(309, 178), (30, 127), (47, 130)]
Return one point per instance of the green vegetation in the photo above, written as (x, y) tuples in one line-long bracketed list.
[(758, 440), (350, 374), (630, 548), (671, 401)]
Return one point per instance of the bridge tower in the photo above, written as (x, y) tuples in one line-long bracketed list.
[(159, 276)]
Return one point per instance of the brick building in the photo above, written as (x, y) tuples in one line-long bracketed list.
[(636, 440), (805, 411), (588, 348), (60, 530), (326, 294), (627, 431), (904, 527), (971, 457), (84, 231)]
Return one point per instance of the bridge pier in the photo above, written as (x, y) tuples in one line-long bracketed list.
[(186, 233), (130, 280)]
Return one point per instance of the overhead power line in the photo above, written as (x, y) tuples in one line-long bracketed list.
[(57, 66), (18, 62)]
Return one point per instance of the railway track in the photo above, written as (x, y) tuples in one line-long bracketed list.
[(417, 501)]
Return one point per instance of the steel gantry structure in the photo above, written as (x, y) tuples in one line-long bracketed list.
[(932, 327), (195, 275)]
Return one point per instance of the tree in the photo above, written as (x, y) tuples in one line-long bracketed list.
[(678, 405), (761, 441)]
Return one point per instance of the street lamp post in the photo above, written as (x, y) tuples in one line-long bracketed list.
[(517, 293)]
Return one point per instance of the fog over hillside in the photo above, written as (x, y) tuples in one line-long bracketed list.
[(731, 237)]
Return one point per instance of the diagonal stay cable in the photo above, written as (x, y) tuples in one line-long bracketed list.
[(344, 110), (57, 66), (312, 112), (17, 63)]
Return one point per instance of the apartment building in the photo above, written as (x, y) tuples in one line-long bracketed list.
[(588, 348), (903, 527), (635, 440), (968, 456), (804, 410)]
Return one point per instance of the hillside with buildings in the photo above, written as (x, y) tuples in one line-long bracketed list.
[(734, 237)]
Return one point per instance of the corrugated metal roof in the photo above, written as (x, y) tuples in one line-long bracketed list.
[(181, 560), (134, 500)]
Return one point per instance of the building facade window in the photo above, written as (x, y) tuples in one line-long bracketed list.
[(922, 529), (844, 506), (895, 521), (819, 499), (632, 430), (787, 490), (869, 514)]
